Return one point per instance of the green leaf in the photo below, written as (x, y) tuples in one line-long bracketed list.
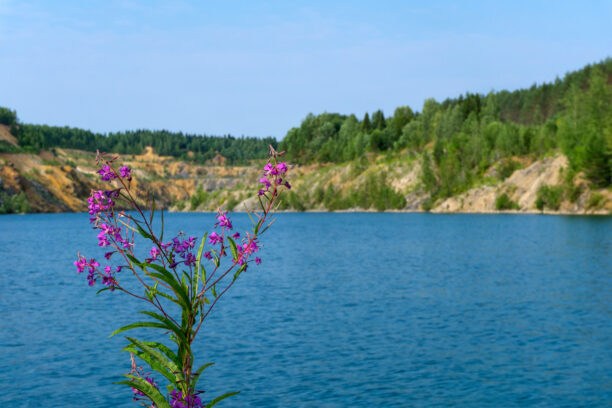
[(134, 260), (213, 291), (233, 248), (161, 236), (249, 214), (149, 390), (183, 299), (239, 271), (167, 296), (167, 277), (197, 264), (106, 288), (138, 325), (199, 372), (154, 364), (152, 208), (164, 349), (263, 208), (160, 358), (168, 324), (221, 398), (142, 232), (203, 270)]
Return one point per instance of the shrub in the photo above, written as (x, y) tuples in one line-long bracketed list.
[(508, 167), (503, 202), (573, 192), (198, 198), (427, 204), (7, 117), (595, 200), (549, 197), (14, 204), (296, 202)]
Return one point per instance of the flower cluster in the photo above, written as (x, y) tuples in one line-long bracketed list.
[(178, 400), (93, 273), (273, 175), (101, 201), (113, 233), (248, 247), (224, 221), (106, 173), (126, 173)]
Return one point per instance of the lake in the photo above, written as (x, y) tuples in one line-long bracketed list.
[(346, 310)]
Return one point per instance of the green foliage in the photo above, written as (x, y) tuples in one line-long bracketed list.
[(376, 193), (232, 202), (549, 197), (7, 117), (507, 167), (573, 192), (198, 198), (318, 195), (6, 147), (296, 202), (54, 162), (473, 132), (14, 204), (427, 204), (329, 198), (595, 200), (428, 178), (503, 202), (183, 146)]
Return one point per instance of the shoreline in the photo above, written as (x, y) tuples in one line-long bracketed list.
[(366, 211)]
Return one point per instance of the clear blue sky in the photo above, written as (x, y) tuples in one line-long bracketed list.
[(257, 68)]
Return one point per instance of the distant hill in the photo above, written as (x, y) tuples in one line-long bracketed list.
[(461, 138), (546, 148), (195, 148)]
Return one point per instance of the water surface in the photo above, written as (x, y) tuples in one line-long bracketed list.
[(363, 310)]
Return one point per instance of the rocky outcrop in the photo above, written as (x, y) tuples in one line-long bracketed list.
[(522, 188)]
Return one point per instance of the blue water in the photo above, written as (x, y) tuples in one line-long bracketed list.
[(346, 310)]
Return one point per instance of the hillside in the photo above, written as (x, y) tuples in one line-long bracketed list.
[(545, 148), (60, 180)]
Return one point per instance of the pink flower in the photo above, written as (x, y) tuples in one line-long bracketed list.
[(224, 221), (281, 168), (215, 238), (125, 172)]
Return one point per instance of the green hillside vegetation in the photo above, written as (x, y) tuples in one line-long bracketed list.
[(460, 139), (197, 148), (442, 151)]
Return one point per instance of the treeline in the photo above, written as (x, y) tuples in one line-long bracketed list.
[(459, 139), (237, 150)]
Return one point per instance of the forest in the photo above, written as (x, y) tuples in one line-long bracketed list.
[(237, 150), (459, 139)]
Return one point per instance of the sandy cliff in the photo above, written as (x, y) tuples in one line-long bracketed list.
[(61, 179)]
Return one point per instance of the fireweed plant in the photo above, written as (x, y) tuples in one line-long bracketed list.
[(178, 285)]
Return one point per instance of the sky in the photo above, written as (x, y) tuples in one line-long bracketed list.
[(257, 68)]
